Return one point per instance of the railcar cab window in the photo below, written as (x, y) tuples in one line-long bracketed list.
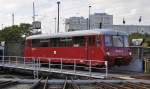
[(108, 41), (126, 43), (116, 41)]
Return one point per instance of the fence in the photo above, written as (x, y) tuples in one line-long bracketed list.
[(35, 65), (143, 54)]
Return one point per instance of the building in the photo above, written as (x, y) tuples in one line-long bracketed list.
[(132, 28), (76, 23), (102, 20), (81, 23), (99, 20)]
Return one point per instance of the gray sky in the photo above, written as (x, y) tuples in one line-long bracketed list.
[(46, 10)]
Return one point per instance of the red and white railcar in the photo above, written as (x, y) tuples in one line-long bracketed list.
[(99, 44)]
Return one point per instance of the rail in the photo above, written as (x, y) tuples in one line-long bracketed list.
[(57, 66), (40, 85), (7, 84), (125, 85), (71, 85), (46, 84), (36, 84)]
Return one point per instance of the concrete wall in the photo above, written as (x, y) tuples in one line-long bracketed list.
[(14, 49)]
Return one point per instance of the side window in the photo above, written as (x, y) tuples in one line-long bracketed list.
[(40, 42), (66, 42), (78, 41), (60, 42), (44, 42), (54, 42), (35, 43)]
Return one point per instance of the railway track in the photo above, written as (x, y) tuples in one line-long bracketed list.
[(40, 85), (127, 85), (71, 85), (5, 84)]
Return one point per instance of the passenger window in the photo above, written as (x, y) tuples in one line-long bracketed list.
[(40, 42), (78, 41), (35, 43), (44, 42)]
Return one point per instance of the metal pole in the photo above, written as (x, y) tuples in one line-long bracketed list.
[(9, 60), (13, 19), (39, 63), (2, 25), (34, 70), (106, 65), (49, 64), (58, 17), (33, 12), (24, 62), (55, 25), (90, 69), (61, 64), (75, 66), (16, 61), (3, 55), (89, 17), (138, 52), (37, 68)]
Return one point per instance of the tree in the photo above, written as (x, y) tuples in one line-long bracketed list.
[(135, 36), (145, 37), (15, 32)]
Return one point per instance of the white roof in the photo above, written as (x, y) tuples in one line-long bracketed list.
[(78, 33)]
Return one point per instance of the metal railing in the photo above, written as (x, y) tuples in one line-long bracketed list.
[(58, 66)]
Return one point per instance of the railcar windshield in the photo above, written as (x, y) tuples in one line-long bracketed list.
[(116, 41)]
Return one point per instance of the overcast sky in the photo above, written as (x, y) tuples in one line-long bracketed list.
[(46, 10)]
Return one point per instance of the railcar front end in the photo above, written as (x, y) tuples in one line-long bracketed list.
[(117, 50)]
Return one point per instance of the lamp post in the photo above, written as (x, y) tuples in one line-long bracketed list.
[(55, 25), (13, 21), (89, 17), (58, 17), (2, 26)]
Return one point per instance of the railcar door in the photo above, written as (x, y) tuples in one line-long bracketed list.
[(94, 49), (90, 48)]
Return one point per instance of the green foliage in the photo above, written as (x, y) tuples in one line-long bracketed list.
[(135, 36), (15, 33), (145, 36)]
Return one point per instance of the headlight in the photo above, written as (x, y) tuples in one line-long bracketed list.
[(107, 53), (130, 53)]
